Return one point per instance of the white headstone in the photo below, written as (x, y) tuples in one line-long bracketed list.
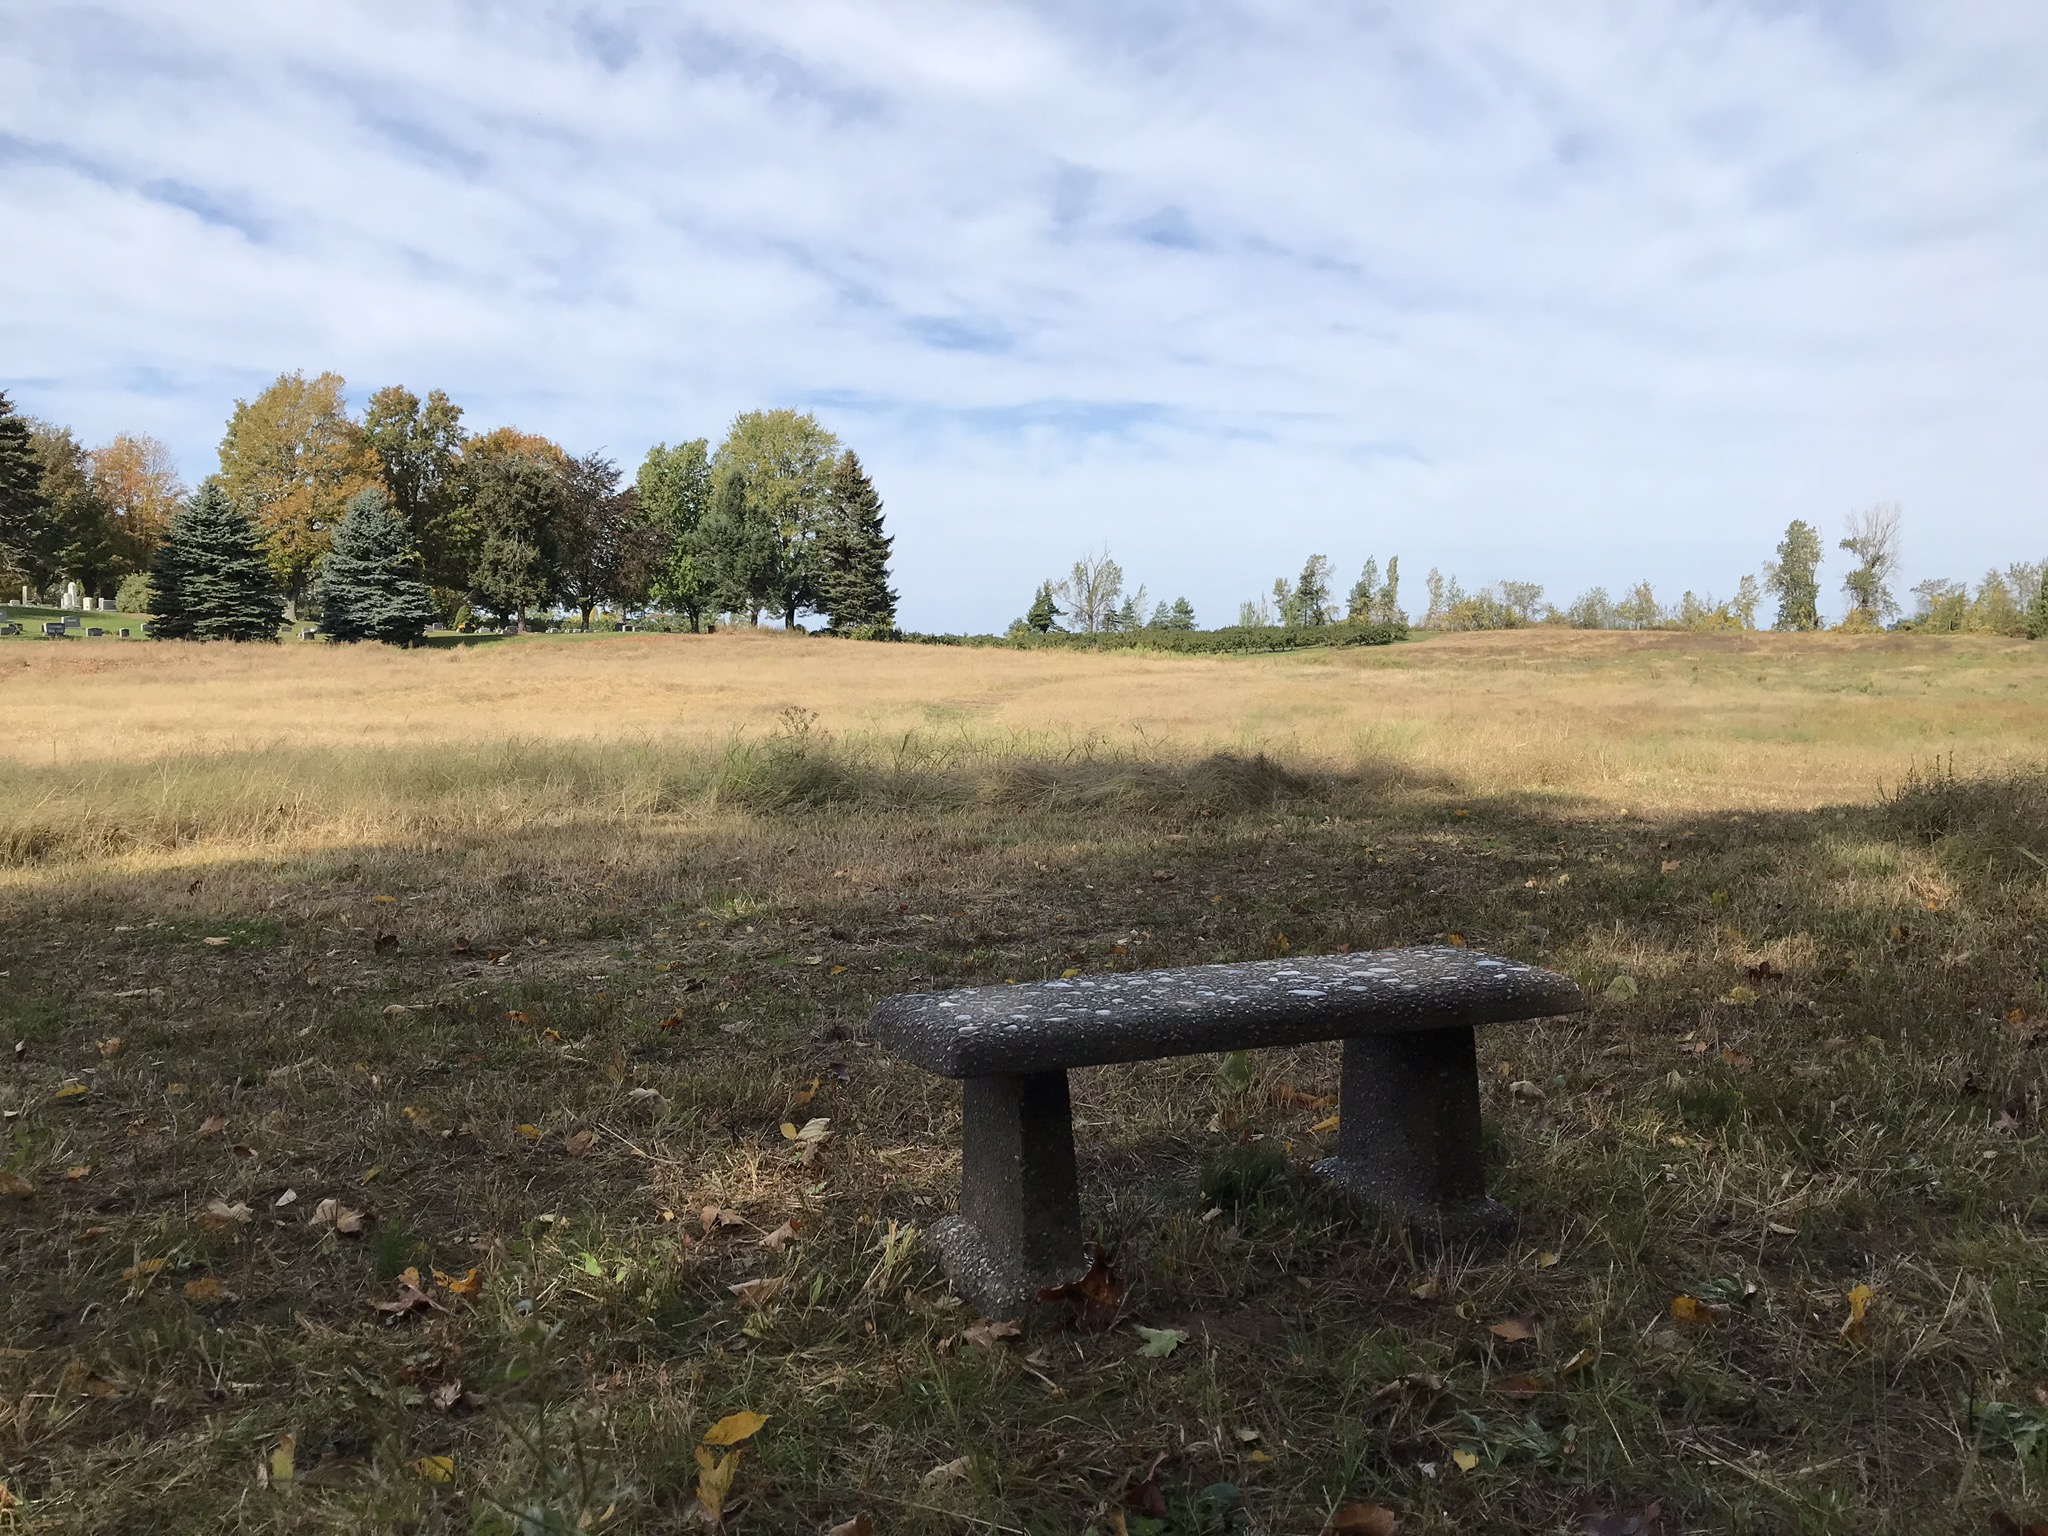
[(70, 598)]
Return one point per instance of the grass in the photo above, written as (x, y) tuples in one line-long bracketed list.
[(648, 889)]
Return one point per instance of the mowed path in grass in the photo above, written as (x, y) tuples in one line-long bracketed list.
[(1656, 720)]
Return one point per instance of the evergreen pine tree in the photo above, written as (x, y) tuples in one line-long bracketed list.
[(1180, 616), (853, 552), (24, 516), (1045, 613), (212, 575), (372, 586)]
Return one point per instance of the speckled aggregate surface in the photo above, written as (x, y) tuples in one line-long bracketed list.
[(1085, 1021)]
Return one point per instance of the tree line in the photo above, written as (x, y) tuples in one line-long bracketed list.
[(385, 524)]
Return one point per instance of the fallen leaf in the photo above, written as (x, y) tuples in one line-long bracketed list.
[(1739, 996), (1519, 1386), (1324, 1127), (216, 940), (1516, 1330), (646, 1104), (990, 1335), (1095, 1297), (804, 1096), (13, 1184), (1859, 1305), (434, 1469), (77, 1171), (579, 1143), (757, 1293), (446, 1395), (714, 1480), (1363, 1520), (71, 1091), (1401, 1386), (1548, 1260), (1579, 1362), (1692, 1311), (284, 1452), (140, 1273), (1464, 1460), (212, 1126), (1426, 1291), (530, 1132), (775, 1241), (1526, 1091), (111, 1046), (859, 1525), (735, 1428), (205, 1288), (412, 1297), (471, 1284), (811, 1130), (289, 1197), (1160, 1342), (219, 1216), (719, 1216), (92, 1234)]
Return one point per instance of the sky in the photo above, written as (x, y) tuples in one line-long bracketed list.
[(1573, 293)]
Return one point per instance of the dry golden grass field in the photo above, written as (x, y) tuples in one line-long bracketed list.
[(503, 967)]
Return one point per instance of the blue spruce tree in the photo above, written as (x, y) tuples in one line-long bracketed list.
[(372, 586), (212, 574)]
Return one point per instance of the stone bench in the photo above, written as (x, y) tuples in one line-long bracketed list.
[(1408, 1129)]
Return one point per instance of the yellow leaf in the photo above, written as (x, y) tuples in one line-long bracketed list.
[(283, 1456), (1579, 1362), (735, 1428), (71, 1091), (1455, 940), (206, 1288), (435, 1469), (805, 1095), (1069, 973), (1260, 1456), (141, 1273), (471, 1284), (1547, 1260), (837, 969), (386, 901), (1739, 997), (1465, 1460), (1324, 1127), (1859, 1304), (530, 1132), (714, 1479)]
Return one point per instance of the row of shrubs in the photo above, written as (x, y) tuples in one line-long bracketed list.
[(1237, 640)]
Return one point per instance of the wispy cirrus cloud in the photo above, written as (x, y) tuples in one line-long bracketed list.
[(1575, 295)]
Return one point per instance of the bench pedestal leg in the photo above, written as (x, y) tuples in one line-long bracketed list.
[(1019, 1225), (1408, 1133)]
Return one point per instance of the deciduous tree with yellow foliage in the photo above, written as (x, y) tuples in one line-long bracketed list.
[(292, 458)]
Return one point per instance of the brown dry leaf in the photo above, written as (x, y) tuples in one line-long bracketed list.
[(1516, 1330), (219, 1216), (1401, 1386), (111, 1046), (1579, 1362), (2003, 1524), (1426, 1291), (412, 1297), (714, 1480), (859, 1525), (15, 1186), (139, 1274), (646, 1103), (783, 1235), (804, 1096), (92, 1234), (1096, 1297), (671, 1024), (1144, 1495), (1693, 1312), (735, 1428), (205, 1288), (720, 1216), (757, 1293), (77, 1171), (471, 1284), (990, 1335), (1363, 1520), (212, 1126), (446, 1395), (1519, 1386), (580, 1143)]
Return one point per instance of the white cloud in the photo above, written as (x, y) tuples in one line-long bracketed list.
[(1580, 293)]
